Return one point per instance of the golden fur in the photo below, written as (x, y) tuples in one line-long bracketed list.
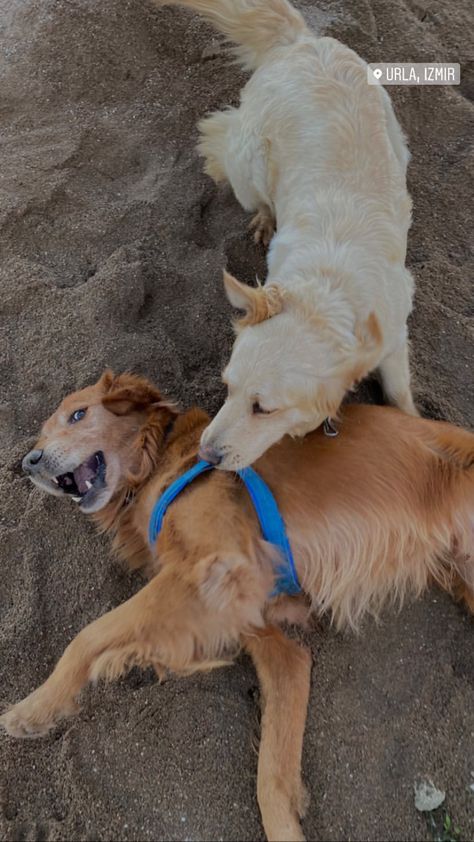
[(373, 516)]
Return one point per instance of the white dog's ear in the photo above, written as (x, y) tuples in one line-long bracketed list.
[(369, 333), (369, 338), (238, 294), (259, 303)]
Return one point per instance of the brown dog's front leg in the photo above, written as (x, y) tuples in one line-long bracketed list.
[(55, 699), (156, 626), (283, 669)]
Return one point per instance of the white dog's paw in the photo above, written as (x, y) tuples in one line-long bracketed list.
[(264, 225)]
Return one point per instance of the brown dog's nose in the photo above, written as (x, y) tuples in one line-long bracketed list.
[(210, 454), (31, 460)]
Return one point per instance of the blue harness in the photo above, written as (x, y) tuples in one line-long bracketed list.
[(271, 521)]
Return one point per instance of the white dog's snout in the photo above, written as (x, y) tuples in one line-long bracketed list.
[(210, 454)]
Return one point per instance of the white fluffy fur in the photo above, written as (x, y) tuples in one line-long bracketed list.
[(316, 149)]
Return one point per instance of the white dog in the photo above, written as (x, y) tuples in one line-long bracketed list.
[(317, 152)]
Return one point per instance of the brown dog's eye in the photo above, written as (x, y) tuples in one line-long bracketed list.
[(76, 416), (258, 410)]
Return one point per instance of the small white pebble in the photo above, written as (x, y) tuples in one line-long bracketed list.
[(427, 796)]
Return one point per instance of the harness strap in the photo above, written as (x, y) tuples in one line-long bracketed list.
[(271, 521), (273, 530), (176, 487)]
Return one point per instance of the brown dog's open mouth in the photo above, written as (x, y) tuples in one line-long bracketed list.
[(85, 481)]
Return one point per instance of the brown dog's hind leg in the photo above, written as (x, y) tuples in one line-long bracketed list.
[(463, 592), (283, 669), (463, 579)]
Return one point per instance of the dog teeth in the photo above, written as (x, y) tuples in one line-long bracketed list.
[(53, 479), (88, 484), (76, 499)]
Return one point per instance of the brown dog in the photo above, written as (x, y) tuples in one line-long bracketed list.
[(375, 514)]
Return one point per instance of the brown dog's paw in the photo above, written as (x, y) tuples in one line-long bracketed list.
[(19, 725), (32, 717), (302, 800)]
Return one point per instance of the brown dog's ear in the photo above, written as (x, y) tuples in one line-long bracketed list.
[(105, 381), (259, 303), (128, 392)]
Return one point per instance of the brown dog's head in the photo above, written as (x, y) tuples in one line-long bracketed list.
[(100, 440)]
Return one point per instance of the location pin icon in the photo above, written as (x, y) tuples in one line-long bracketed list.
[(377, 73)]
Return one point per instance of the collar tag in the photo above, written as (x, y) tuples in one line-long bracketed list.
[(330, 429)]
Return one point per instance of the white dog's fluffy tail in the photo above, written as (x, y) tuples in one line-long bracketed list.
[(255, 26)]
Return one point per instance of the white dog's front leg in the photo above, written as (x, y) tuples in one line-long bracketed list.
[(264, 224)]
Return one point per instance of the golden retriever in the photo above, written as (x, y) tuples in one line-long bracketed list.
[(318, 152), (373, 515)]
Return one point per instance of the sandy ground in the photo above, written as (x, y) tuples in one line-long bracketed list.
[(112, 243)]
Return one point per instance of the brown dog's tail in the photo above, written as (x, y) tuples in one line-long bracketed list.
[(255, 26)]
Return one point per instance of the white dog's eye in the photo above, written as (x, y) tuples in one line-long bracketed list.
[(258, 410), (77, 415)]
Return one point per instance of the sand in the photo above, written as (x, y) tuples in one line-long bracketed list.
[(112, 243)]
